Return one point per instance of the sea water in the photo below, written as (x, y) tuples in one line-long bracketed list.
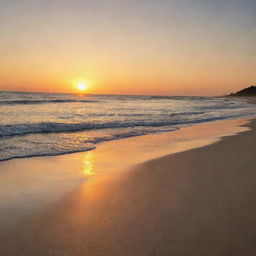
[(42, 124)]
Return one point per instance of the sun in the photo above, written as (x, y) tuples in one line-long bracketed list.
[(81, 86)]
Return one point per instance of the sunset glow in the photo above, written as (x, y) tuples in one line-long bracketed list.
[(164, 47)]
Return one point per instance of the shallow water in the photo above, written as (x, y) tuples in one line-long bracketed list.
[(39, 124)]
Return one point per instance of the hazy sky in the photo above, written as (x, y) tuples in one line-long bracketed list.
[(174, 47)]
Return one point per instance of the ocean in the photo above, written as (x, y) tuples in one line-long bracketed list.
[(43, 124)]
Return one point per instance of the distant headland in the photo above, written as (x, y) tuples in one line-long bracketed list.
[(249, 91)]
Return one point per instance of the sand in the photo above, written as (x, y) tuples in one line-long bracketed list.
[(197, 202)]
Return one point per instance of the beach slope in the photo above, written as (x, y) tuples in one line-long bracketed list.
[(197, 202)]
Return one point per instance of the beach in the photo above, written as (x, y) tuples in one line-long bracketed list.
[(194, 198), (127, 128)]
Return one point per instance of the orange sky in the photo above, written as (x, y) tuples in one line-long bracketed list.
[(186, 47)]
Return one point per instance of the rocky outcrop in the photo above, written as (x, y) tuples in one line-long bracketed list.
[(249, 91)]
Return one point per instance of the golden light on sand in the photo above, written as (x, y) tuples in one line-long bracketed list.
[(88, 164), (81, 86)]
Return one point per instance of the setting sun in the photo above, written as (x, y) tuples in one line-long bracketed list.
[(82, 86)]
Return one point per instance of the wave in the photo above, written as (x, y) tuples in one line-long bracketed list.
[(227, 106), (123, 135), (187, 113), (46, 154), (27, 102), (52, 127), (144, 115), (82, 148)]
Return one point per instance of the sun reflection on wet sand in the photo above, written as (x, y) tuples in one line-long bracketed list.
[(88, 169)]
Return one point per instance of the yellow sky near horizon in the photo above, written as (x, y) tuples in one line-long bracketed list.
[(125, 47)]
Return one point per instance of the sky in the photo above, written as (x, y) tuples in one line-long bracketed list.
[(159, 47)]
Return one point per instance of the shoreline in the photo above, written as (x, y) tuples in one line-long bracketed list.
[(108, 193), (105, 160), (23, 186), (68, 151)]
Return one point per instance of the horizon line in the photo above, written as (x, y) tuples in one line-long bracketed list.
[(105, 94)]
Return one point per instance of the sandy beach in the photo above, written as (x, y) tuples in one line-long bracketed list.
[(197, 202)]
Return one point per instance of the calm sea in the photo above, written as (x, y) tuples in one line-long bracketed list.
[(40, 124)]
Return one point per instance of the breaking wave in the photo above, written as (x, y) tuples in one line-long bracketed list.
[(27, 102)]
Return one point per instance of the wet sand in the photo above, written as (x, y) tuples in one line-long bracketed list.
[(197, 202)]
